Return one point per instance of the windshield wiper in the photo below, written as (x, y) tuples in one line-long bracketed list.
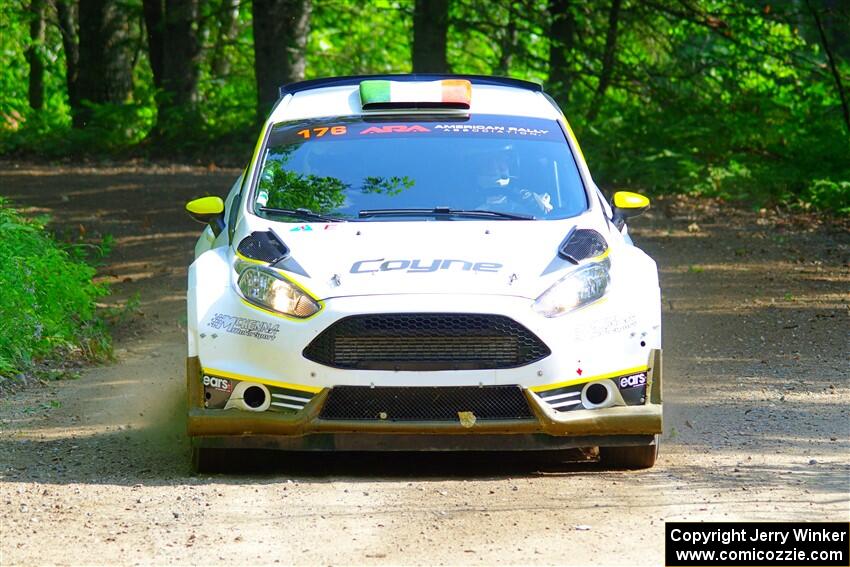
[(303, 214), (442, 211)]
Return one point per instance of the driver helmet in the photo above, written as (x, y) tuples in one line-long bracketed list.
[(493, 171)]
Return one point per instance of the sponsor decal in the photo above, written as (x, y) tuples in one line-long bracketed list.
[(467, 418), (245, 327), (490, 129), (606, 326), (301, 228), (394, 129), (218, 383), (417, 265), (632, 381), (476, 126), (467, 128)]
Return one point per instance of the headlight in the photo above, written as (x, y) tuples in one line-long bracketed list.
[(267, 289), (585, 285)]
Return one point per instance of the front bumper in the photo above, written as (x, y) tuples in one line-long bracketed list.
[(306, 430)]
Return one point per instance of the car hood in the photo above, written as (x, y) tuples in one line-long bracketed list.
[(377, 258)]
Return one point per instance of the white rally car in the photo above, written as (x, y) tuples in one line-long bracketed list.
[(421, 262)]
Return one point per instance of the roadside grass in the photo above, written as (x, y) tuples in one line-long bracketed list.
[(48, 315)]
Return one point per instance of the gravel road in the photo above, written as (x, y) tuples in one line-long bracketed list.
[(757, 414)]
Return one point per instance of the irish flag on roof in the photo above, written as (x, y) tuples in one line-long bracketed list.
[(455, 93)]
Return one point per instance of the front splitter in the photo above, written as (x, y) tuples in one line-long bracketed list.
[(306, 430), (417, 442)]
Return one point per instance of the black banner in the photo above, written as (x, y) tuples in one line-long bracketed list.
[(757, 544)]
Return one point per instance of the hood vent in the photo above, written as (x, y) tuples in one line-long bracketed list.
[(263, 246), (581, 244)]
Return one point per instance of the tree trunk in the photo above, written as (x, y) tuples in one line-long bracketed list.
[(608, 60), (430, 28), (507, 45), (105, 73), (68, 27), (835, 20), (154, 15), (832, 65), (281, 28), (174, 50), (227, 20), (181, 53), (562, 33), (36, 76)]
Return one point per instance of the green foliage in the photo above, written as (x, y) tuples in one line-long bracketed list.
[(393, 185), (732, 99), (731, 107), (290, 190), (47, 305), (114, 128), (351, 37), (829, 195)]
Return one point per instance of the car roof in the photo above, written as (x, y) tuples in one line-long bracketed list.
[(339, 96), (300, 86)]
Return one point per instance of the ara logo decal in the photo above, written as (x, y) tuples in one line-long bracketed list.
[(245, 327), (394, 129), (416, 266), (218, 383)]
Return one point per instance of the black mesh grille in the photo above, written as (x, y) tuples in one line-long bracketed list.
[(426, 341), (263, 246), (581, 244), (425, 403)]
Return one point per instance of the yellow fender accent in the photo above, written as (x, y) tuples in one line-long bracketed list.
[(242, 377), (623, 372)]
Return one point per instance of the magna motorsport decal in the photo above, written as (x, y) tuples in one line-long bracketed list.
[(245, 327)]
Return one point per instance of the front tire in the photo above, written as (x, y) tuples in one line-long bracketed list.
[(630, 458)]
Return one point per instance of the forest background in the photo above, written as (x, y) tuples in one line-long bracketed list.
[(745, 100)]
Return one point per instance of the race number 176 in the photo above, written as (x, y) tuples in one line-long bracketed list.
[(320, 131)]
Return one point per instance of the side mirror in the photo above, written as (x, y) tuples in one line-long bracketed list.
[(208, 210), (626, 205)]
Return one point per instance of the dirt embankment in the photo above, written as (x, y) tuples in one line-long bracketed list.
[(757, 423)]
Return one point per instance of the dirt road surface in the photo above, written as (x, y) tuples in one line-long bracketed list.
[(757, 416)]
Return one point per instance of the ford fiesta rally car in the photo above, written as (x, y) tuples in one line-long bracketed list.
[(421, 262)]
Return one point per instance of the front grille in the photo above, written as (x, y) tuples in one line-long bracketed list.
[(417, 403), (426, 341)]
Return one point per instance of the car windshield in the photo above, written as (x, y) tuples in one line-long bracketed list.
[(397, 168)]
